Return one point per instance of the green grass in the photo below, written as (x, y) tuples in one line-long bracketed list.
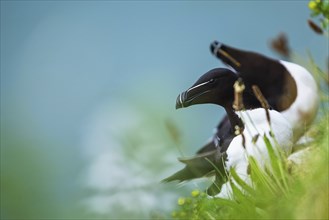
[(289, 191)]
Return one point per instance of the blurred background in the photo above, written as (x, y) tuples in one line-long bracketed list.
[(88, 89)]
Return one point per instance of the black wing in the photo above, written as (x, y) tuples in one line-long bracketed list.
[(209, 159)]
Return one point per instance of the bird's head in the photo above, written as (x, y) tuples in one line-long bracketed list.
[(214, 87)]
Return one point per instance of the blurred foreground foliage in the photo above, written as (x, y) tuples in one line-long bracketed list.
[(296, 192), (320, 9), (33, 183)]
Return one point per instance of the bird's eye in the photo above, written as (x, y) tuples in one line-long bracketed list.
[(211, 80)]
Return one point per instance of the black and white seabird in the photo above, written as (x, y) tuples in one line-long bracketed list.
[(288, 87), (216, 87)]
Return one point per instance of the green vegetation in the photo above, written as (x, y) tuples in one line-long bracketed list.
[(289, 191), (320, 9)]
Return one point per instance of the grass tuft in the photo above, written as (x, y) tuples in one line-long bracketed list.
[(283, 190)]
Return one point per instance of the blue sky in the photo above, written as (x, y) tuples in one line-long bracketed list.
[(79, 51)]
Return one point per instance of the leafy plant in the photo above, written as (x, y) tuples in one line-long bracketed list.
[(319, 9)]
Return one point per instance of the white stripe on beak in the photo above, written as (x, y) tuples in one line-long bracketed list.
[(194, 87), (180, 100)]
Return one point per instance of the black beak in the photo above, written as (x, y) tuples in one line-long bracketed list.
[(180, 101), (192, 96)]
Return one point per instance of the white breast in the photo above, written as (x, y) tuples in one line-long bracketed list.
[(256, 124), (303, 110)]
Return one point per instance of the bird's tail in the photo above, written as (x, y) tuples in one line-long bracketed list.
[(199, 166), (187, 173)]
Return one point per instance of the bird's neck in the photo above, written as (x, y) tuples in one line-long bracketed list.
[(249, 102), (233, 118)]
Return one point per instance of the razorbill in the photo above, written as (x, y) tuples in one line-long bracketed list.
[(216, 87)]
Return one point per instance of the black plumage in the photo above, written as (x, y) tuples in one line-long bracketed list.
[(215, 86), (275, 82)]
